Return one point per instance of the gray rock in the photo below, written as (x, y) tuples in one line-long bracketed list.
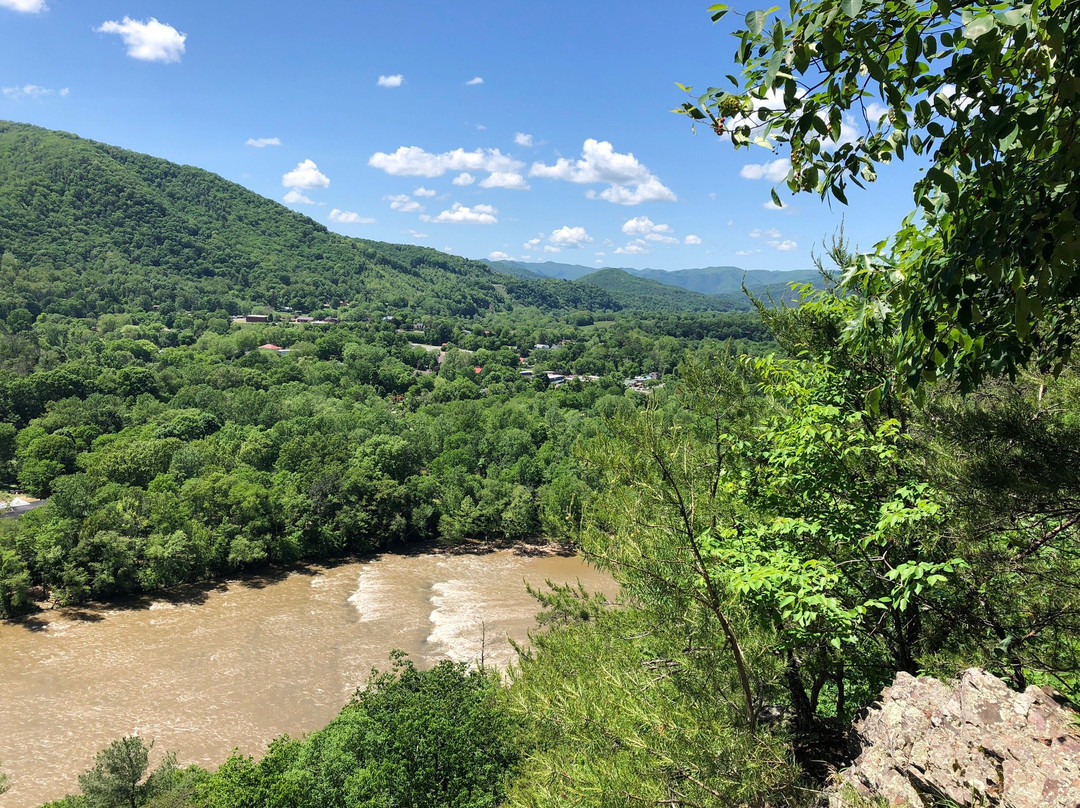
[(971, 743)]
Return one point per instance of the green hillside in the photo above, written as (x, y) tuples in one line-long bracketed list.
[(642, 293), (544, 269), (87, 228)]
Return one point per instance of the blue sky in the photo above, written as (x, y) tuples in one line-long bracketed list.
[(537, 131)]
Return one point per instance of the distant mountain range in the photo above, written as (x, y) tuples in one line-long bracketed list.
[(725, 280)]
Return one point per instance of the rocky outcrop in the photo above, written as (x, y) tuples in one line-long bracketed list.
[(971, 743)]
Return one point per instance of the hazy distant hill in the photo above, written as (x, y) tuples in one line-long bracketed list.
[(546, 269), (643, 293), (706, 280)]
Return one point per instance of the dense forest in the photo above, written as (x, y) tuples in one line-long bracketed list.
[(798, 502)]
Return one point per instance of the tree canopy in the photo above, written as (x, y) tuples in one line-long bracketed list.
[(981, 278)]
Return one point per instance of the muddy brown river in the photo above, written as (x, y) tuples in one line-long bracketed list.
[(237, 664)]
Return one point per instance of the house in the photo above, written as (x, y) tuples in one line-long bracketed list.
[(555, 379), (305, 319), (257, 318), (269, 346)]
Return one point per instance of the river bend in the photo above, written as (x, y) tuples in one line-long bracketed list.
[(237, 664)]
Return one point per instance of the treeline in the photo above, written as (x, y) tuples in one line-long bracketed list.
[(166, 462)]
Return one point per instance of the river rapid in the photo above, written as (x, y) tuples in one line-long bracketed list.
[(237, 664)]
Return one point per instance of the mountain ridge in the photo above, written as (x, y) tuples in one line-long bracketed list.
[(113, 228), (712, 280)]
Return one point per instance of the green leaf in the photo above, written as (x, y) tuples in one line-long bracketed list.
[(1010, 137), (717, 11), (851, 8), (1014, 17), (774, 67), (979, 26), (755, 21)]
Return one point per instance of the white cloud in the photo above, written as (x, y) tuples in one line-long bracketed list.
[(523, 139), (403, 203), (395, 80), (567, 236), (296, 197), (464, 178), (151, 41), (635, 247), (692, 239), (422, 191), (784, 246), (630, 183), (348, 217), (770, 205), (416, 234), (461, 214), (643, 226), (548, 248), (505, 179), (651, 191), (773, 171), (412, 161), (660, 238), (757, 232), (262, 142), (305, 175), (533, 243), (876, 111), (746, 252), (474, 81), (33, 91), (499, 255), (28, 6)]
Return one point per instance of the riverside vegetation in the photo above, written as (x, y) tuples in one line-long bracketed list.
[(886, 480)]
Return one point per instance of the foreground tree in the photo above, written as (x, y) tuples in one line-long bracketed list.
[(117, 777), (981, 279), (410, 738)]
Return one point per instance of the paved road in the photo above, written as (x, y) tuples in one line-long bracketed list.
[(16, 511)]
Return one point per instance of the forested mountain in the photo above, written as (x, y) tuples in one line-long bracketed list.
[(706, 280), (87, 228)]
